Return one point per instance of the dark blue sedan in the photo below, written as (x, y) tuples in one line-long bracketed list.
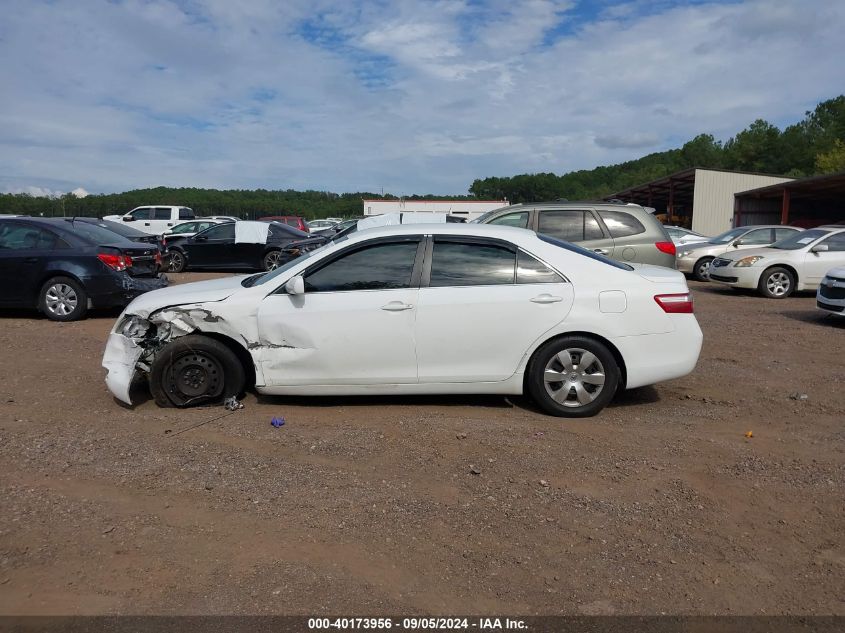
[(64, 267)]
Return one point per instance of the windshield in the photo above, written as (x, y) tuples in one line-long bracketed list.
[(481, 218), (799, 239), (727, 236)]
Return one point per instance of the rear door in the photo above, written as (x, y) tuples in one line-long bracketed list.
[(162, 219), (579, 226), (482, 303)]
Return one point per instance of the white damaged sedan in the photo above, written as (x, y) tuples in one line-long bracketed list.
[(415, 309)]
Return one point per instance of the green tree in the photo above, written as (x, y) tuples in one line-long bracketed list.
[(833, 160)]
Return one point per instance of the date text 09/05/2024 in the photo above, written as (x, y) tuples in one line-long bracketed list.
[(417, 623)]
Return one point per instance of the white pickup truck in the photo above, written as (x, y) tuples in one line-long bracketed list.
[(154, 219)]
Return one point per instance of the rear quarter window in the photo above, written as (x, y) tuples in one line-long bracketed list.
[(574, 248), (621, 224)]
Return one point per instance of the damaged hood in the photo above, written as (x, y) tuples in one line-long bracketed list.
[(197, 292)]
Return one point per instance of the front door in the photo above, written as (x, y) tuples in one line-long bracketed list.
[(212, 248), (817, 264), (352, 326)]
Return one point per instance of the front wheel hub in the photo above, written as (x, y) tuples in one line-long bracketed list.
[(196, 375)]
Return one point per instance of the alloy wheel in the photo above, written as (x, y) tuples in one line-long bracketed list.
[(778, 284)]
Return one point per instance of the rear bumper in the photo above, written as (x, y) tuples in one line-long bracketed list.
[(652, 358), (117, 290)]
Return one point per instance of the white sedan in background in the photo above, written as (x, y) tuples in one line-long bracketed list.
[(415, 309), (797, 262), (830, 296)]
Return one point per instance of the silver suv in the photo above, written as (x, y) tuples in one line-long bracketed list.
[(626, 232)]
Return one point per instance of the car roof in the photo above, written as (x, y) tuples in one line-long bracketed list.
[(556, 204), (510, 233)]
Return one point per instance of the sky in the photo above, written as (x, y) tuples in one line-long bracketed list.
[(401, 96)]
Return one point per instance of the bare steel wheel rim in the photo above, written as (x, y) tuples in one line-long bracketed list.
[(175, 262), (778, 284), (195, 375), (271, 261), (574, 377), (61, 299)]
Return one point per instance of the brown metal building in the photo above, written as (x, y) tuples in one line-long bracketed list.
[(807, 202)]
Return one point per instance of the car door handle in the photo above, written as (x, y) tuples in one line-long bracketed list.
[(601, 251), (146, 223), (396, 306), (30, 260), (546, 298)]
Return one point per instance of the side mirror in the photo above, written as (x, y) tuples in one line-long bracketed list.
[(819, 248), (201, 238), (128, 218), (737, 244), (295, 286)]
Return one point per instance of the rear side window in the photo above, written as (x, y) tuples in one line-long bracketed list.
[(512, 219), (530, 270), (570, 225), (378, 267), (162, 213), (467, 264), (283, 230), (621, 224), (186, 214)]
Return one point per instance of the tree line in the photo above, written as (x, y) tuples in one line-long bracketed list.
[(815, 145)]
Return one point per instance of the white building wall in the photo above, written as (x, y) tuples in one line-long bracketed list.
[(469, 209), (713, 197)]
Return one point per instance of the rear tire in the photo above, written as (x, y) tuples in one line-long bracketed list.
[(194, 370), (573, 377), (63, 299), (271, 260), (701, 270), (776, 283), (177, 262)]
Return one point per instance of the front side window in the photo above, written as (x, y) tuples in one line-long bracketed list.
[(186, 214), (467, 264), (19, 237), (570, 225), (512, 219), (835, 242), (141, 213), (621, 224), (530, 270), (758, 236), (378, 267), (221, 232), (162, 213)]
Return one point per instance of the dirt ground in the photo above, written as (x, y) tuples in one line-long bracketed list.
[(368, 506)]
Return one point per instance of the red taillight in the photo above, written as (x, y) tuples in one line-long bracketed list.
[(115, 262), (675, 304), (666, 247)]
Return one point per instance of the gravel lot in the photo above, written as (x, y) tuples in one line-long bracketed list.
[(661, 504)]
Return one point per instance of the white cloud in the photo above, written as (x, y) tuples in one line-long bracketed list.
[(416, 97)]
